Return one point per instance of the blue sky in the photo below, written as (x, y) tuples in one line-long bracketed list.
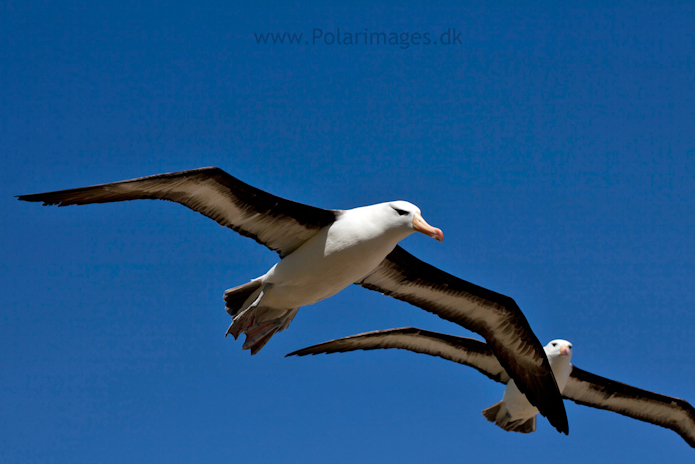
[(554, 146)]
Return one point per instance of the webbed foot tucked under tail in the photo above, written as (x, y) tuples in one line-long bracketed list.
[(499, 414), (258, 322)]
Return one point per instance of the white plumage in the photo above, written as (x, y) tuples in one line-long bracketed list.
[(515, 413), (323, 251), (340, 254)]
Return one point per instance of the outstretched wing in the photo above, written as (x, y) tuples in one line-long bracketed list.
[(494, 316), (599, 392), (281, 225), (462, 350)]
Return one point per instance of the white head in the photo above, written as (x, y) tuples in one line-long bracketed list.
[(559, 349), (407, 215), (559, 354)]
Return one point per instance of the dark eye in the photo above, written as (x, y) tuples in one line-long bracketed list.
[(554, 343), (570, 347), (400, 211)]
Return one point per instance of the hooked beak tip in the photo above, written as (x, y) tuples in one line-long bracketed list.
[(438, 235), (420, 225)]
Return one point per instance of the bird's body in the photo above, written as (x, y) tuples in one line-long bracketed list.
[(339, 255), (514, 413)]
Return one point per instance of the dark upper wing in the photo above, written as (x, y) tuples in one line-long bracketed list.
[(598, 392), (462, 350), (496, 317), (281, 225)]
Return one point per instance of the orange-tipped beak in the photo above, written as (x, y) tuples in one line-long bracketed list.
[(421, 225)]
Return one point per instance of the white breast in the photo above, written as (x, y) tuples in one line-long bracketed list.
[(336, 257)]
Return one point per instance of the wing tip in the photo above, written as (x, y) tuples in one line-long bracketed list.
[(36, 198), (540, 388), (24, 197), (557, 418), (302, 352)]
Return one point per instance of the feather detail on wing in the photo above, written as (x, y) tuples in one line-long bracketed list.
[(281, 225), (599, 392), (462, 350), (494, 316)]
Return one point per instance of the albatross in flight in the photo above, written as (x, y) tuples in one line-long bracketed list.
[(323, 251), (514, 413)]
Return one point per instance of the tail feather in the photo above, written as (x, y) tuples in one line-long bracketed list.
[(259, 335), (241, 322), (499, 414), (234, 298), (245, 304), (491, 412)]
